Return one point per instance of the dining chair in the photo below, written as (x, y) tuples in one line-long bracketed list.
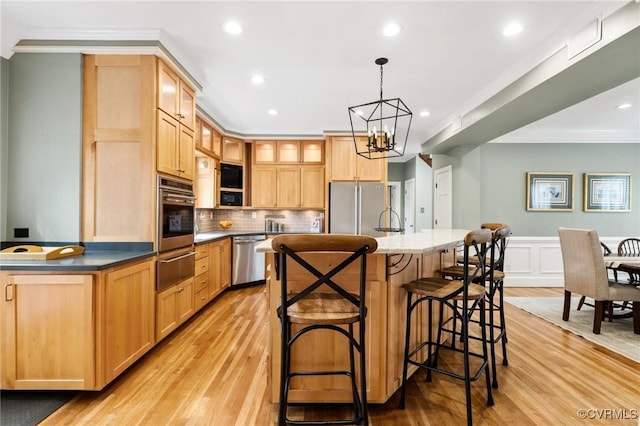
[(630, 247), (585, 274), (313, 300)]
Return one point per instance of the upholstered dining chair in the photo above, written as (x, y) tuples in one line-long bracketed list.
[(585, 274)]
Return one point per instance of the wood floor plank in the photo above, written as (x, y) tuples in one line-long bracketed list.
[(213, 371)]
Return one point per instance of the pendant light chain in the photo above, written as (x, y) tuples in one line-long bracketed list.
[(380, 82)]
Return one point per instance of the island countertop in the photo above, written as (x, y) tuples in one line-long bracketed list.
[(415, 243)]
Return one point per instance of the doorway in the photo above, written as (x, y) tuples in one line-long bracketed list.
[(442, 200), (409, 205)]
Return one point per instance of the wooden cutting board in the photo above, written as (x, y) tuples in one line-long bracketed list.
[(32, 252)]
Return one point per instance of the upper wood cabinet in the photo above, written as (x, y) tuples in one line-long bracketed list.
[(288, 152), (175, 147), (288, 187), (264, 152), (208, 140), (312, 152), (264, 190), (118, 145), (175, 96), (346, 165), (232, 150)]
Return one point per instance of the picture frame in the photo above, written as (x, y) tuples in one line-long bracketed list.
[(549, 191), (607, 192)]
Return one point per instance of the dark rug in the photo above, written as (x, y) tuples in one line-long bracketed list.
[(28, 408)]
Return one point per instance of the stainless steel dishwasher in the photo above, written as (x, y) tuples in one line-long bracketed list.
[(248, 265)]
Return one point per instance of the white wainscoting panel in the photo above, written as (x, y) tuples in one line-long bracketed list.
[(537, 261)]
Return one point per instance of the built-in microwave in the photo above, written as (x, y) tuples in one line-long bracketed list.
[(230, 198), (230, 176)]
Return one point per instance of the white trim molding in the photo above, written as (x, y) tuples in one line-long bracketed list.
[(537, 261)]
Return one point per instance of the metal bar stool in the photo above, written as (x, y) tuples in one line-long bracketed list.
[(446, 292), (323, 304), (495, 290)]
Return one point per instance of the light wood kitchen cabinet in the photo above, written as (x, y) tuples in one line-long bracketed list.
[(288, 189), (119, 114), (206, 183), (312, 187), (220, 266), (346, 165), (127, 320), (264, 191), (288, 152), (312, 152), (173, 307), (175, 96), (232, 150), (49, 338), (202, 276), (176, 145), (301, 187), (208, 140), (264, 152)]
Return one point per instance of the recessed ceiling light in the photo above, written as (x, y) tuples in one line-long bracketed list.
[(232, 27), (391, 29), (257, 79), (624, 106), (424, 113), (272, 111), (512, 29)]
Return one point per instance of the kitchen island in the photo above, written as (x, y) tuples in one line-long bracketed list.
[(397, 260)]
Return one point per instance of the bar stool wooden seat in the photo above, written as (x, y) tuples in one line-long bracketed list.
[(322, 304), (447, 293), (494, 279)]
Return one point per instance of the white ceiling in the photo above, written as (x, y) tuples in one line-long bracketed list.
[(318, 57)]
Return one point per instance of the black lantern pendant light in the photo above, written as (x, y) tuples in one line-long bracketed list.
[(385, 123)]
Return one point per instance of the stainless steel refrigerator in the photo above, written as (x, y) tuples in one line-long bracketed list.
[(354, 208)]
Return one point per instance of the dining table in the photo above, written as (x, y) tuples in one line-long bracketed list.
[(625, 263)]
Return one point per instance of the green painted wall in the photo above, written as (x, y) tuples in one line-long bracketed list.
[(489, 185), (4, 141), (44, 146)]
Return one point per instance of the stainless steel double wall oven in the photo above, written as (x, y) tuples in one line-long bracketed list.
[(176, 216)]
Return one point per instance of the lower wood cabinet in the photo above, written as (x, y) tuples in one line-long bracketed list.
[(127, 320), (75, 331), (220, 264), (173, 307), (48, 334)]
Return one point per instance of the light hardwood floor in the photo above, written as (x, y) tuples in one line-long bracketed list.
[(212, 371)]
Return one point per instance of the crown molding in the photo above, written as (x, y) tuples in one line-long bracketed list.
[(101, 41)]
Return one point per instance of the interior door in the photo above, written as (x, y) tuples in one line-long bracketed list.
[(442, 198), (409, 205)]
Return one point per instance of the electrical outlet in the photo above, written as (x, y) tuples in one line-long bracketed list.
[(253, 215), (20, 232)]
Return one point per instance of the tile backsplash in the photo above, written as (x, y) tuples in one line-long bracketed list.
[(244, 220)]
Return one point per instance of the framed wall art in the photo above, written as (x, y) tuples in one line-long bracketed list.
[(607, 192), (549, 191)]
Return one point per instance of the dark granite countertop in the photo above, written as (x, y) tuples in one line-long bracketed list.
[(96, 257)]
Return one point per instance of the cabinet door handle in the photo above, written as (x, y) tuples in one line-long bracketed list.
[(8, 295)]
